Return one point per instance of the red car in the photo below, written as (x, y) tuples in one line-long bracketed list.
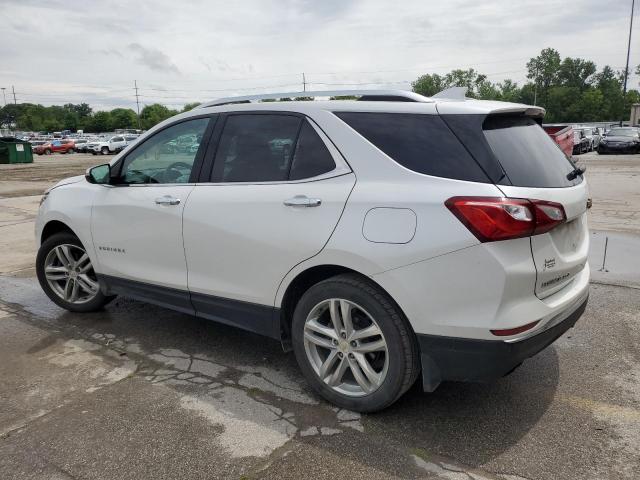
[(60, 146), (563, 136)]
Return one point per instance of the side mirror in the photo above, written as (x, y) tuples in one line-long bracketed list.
[(99, 175)]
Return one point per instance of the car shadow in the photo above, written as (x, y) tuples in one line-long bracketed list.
[(470, 422)]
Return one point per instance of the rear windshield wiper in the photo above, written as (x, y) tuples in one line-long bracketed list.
[(575, 172)]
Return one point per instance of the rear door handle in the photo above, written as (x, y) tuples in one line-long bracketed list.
[(302, 201), (167, 200)]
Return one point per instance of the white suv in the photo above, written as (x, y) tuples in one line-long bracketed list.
[(114, 145), (379, 239)]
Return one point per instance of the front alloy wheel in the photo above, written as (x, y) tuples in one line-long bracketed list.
[(70, 275), (346, 347), (67, 276)]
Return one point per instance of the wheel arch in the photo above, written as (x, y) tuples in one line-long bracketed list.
[(55, 226), (305, 280)]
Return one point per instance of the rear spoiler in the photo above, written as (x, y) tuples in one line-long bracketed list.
[(487, 107)]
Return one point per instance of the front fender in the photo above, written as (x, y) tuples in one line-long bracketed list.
[(71, 205)]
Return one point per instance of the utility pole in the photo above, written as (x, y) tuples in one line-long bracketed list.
[(626, 68), (535, 88), (14, 95), (135, 85), (4, 96), (304, 83)]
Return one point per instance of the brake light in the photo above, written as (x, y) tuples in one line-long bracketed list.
[(497, 218)]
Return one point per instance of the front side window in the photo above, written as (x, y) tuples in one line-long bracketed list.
[(117, 139), (164, 157)]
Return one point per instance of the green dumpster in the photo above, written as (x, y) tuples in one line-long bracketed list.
[(13, 150)]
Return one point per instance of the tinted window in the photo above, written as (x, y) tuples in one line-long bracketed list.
[(162, 158), (117, 139), (256, 148), (311, 157), (528, 156), (422, 143)]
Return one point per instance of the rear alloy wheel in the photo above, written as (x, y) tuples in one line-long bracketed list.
[(66, 274), (47, 152), (346, 347), (104, 150), (353, 344)]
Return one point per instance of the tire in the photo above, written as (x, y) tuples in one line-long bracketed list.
[(47, 152), (369, 307), (71, 150), (93, 152), (104, 150), (49, 259)]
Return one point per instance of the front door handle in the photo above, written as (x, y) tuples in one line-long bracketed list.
[(302, 201), (167, 200)]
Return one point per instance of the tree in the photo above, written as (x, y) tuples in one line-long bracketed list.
[(154, 114), (190, 106), (509, 91), (609, 83), (576, 72), (429, 84), (123, 118), (543, 70), (100, 122)]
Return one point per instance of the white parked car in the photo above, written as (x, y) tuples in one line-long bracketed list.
[(115, 144), (382, 241)]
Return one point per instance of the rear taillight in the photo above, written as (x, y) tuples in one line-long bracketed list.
[(548, 215), (496, 218)]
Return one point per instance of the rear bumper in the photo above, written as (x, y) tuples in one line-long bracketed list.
[(462, 359)]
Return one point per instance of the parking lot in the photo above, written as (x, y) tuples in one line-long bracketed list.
[(137, 391)]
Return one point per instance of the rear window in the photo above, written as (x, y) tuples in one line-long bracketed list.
[(419, 142), (529, 157)]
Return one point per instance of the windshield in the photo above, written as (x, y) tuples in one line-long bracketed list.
[(622, 132)]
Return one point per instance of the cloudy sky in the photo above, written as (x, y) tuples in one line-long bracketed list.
[(59, 51)]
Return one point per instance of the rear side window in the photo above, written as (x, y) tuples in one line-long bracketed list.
[(256, 148), (419, 142), (270, 148), (311, 158), (527, 154)]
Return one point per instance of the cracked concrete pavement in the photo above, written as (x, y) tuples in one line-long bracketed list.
[(137, 391)]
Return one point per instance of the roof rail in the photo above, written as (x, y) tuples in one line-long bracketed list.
[(369, 95)]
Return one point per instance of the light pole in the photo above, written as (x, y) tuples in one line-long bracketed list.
[(4, 96), (626, 68)]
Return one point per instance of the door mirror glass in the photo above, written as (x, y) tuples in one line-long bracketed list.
[(99, 175)]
